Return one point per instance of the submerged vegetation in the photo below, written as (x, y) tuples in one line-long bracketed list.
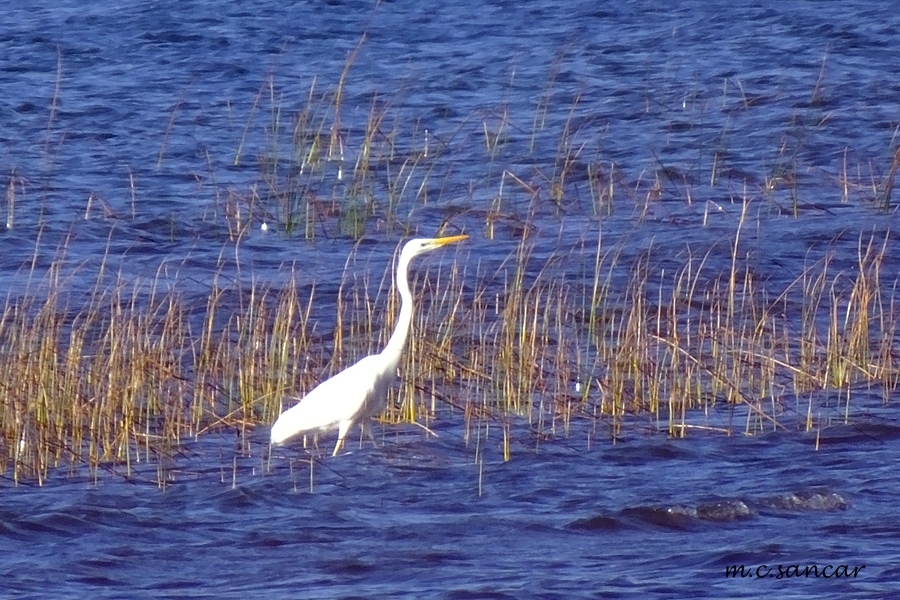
[(569, 330)]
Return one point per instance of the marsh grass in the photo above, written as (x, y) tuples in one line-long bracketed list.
[(326, 173), (587, 340), (122, 376)]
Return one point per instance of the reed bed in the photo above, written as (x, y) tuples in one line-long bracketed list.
[(325, 174), (127, 374), (585, 338)]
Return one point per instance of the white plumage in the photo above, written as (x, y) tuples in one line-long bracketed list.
[(359, 392)]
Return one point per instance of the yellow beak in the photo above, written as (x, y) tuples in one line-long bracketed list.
[(449, 240)]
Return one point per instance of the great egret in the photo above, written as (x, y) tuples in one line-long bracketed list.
[(358, 392)]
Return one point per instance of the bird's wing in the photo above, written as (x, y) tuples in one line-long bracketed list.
[(345, 397)]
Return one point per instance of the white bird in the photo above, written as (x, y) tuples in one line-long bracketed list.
[(359, 392)]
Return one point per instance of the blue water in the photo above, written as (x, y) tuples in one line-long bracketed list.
[(420, 518), (128, 131)]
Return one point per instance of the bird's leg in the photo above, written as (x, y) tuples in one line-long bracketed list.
[(337, 447), (343, 428), (367, 429)]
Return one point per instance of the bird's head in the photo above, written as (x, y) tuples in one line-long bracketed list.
[(419, 245)]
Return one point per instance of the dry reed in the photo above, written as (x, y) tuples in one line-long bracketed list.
[(524, 345)]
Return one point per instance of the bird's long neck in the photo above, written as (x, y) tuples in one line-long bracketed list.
[(395, 345)]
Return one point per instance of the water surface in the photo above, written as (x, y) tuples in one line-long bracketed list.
[(126, 129)]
